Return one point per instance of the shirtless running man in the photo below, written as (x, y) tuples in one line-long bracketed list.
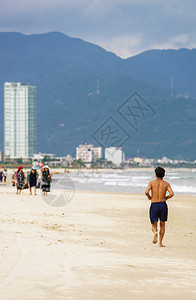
[(158, 208)]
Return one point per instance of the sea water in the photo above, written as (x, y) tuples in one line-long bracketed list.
[(182, 181)]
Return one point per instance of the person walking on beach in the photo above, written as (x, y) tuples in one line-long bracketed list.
[(32, 178), (20, 180), (158, 208), (4, 175), (1, 175), (46, 178)]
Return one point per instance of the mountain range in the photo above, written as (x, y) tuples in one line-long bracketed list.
[(145, 103)]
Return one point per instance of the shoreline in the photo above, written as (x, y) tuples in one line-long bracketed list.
[(62, 169), (53, 190)]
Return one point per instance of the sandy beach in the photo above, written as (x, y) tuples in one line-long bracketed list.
[(98, 246)]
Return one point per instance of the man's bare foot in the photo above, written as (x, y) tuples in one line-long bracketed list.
[(155, 239), (161, 245)]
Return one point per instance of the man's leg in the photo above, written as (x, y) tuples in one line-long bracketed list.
[(161, 233), (155, 231)]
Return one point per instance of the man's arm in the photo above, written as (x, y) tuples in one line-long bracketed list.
[(148, 190), (171, 193)]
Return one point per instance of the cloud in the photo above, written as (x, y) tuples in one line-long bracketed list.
[(130, 45), (176, 42), (124, 46)]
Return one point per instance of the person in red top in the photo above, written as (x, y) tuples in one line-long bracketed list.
[(20, 179), (158, 209)]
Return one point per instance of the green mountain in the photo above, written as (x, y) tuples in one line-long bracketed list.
[(163, 68), (85, 93)]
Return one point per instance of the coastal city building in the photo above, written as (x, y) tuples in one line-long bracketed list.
[(19, 120), (40, 156), (52, 160), (165, 160), (138, 160), (88, 153), (115, 155)]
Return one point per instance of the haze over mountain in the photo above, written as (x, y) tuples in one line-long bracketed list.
[(81, 88)]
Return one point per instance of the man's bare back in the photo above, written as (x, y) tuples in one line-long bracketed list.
[(159, 188)]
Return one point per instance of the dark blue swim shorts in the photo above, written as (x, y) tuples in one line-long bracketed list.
[(158, 211)]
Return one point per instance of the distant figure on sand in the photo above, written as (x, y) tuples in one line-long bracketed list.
[(5, 175), (1, 175), (32, 177), (20, 180), (46, 179), (158, 208)]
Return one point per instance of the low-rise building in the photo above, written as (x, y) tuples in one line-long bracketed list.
[(138, 160), (165, 160), (39, 156), (88, 153), (115, 155)]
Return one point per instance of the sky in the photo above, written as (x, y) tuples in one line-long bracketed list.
[(125, 27)]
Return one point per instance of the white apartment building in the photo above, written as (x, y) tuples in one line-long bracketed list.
[(88, 153), (19, 120), (115, 155)]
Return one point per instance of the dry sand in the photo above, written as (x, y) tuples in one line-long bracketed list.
[(99, 246)]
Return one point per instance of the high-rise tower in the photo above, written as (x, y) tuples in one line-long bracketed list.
[(19, 120)]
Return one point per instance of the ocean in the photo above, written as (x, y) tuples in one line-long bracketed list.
[(183, 181)]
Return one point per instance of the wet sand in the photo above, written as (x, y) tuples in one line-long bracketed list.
[(98, 246)]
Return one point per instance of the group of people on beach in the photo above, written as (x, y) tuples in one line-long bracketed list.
[(31, 180), (158, 192)]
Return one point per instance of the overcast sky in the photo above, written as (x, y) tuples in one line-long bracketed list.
[(125, 27)]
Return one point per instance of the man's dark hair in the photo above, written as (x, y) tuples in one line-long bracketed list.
[(160, 172)]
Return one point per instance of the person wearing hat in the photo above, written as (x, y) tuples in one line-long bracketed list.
[(20, 179), (33, 176), (46, 179)]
